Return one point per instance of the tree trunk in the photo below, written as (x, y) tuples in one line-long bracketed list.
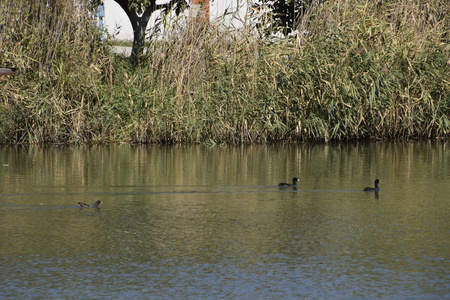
[(139, 25), (138, 39), (139, 33)]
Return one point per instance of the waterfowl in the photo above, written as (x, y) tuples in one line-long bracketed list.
[(294, 183), (371, 189), (95, 205)]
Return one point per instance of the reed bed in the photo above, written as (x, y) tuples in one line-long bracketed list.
[(358, 70)]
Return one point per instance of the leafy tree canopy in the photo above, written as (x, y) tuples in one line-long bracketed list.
[(284, 15)]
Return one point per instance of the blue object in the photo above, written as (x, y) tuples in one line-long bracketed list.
[(100, 16)]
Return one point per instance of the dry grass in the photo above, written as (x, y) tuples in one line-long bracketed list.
[(361, 70)]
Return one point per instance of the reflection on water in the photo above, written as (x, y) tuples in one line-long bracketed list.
[(195, 222)]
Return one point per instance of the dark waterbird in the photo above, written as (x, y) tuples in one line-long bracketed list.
[(373, 189), (294, 183), (95, 205)]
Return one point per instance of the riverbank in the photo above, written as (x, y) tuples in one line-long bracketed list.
[(359, 72)]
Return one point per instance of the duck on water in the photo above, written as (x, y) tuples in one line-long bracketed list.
[(95, 205), (285, 185), (373, 189)]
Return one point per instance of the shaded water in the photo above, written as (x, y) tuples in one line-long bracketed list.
[(191, 222)]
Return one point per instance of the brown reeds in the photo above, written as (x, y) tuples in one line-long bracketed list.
[(59, 57), (358, 69)]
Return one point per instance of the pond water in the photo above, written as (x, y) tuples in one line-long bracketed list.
[(196, 222)]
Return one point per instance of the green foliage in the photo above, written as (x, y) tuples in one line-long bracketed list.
[(361, 70), (282, 15)]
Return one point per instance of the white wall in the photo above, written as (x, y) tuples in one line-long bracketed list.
[(118, 25), (116, 21)]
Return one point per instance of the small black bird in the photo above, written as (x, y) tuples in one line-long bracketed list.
[(294, 183), (371, 189), (95, 205)]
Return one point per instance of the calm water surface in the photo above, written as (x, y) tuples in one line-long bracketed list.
[(192, 222)]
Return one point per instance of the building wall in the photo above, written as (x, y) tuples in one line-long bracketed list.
[(118, 25)]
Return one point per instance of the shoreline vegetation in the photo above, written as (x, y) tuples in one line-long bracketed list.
[(357, 70)]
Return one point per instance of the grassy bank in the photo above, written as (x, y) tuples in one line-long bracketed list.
[(358, 70)]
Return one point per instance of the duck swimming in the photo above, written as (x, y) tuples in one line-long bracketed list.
[(371, 189), (294, 183), (95, 205)]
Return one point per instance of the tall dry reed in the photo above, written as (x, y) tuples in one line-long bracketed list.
[(357, 69), (61, 63)]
